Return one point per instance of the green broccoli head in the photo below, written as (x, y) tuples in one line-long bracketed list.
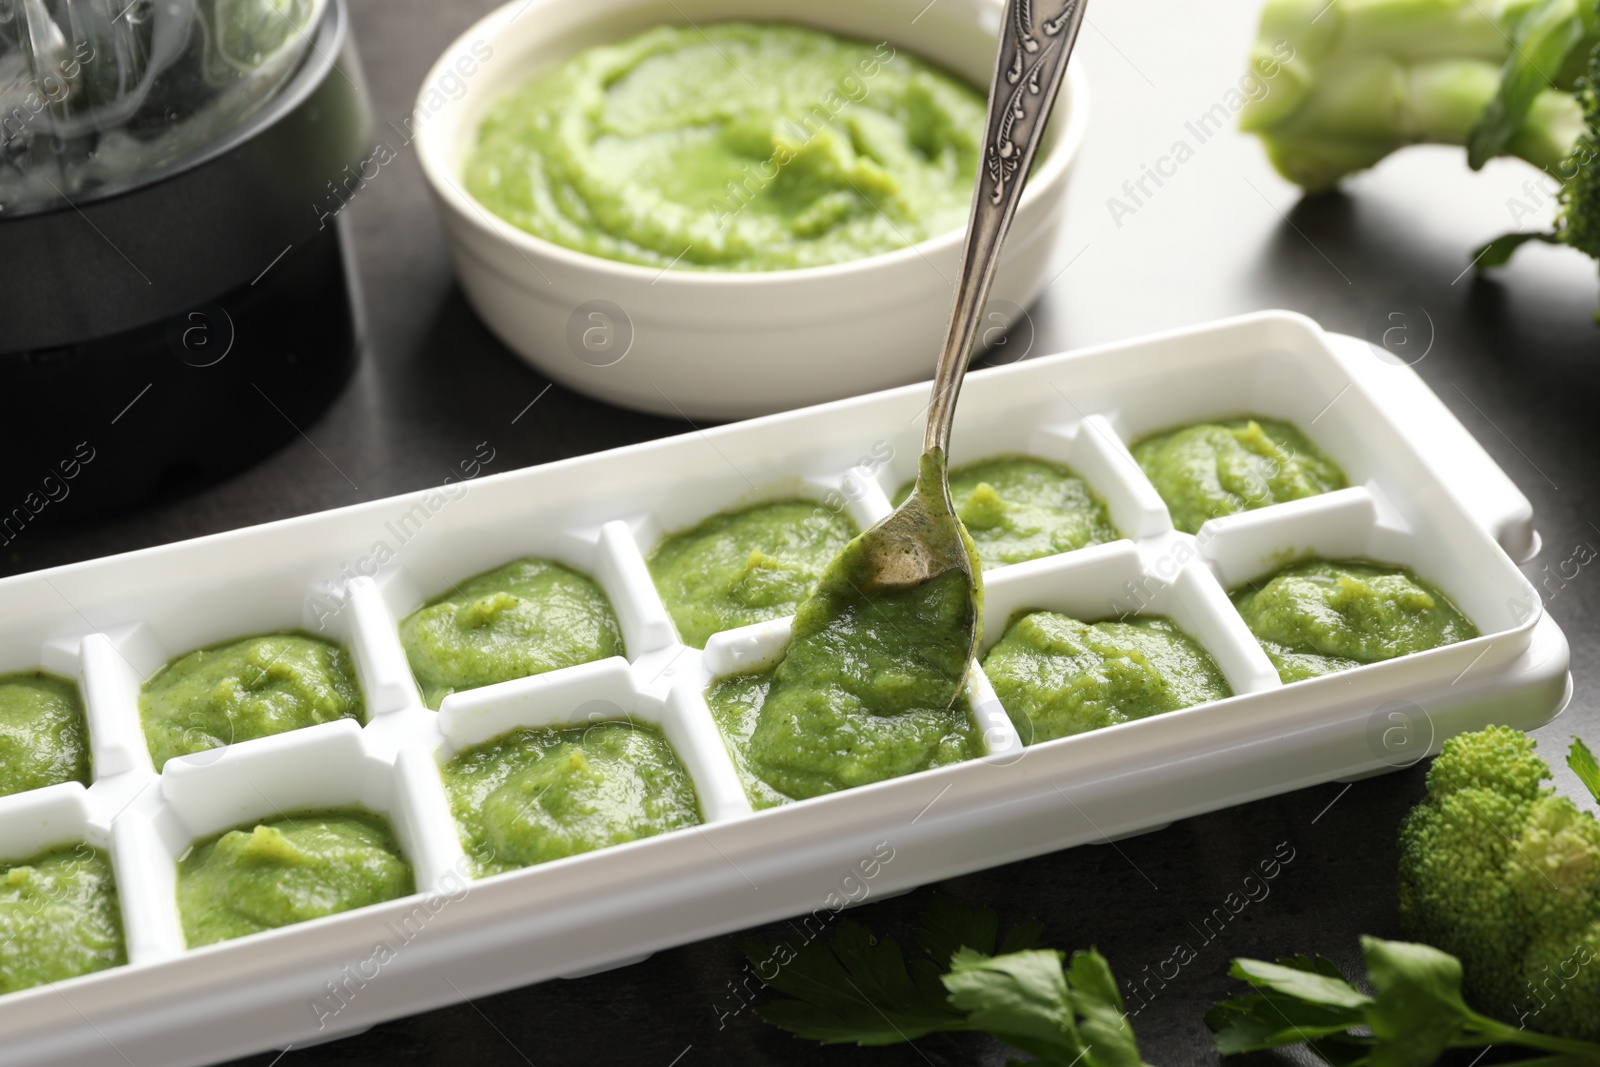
[(1498, 871)]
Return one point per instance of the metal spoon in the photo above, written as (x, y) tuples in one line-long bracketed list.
[(922, 539)]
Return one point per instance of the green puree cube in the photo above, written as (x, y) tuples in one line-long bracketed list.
[(527, 617), (43, 740), (246, 689), (538, 794), (1017, 508), (1056, 676), (865, 689), (747, 566), (735, 704), (832, 744), (264, 875), (59, 917), (1224, 467), (1321, 616)]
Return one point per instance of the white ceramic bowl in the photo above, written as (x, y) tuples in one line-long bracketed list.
[(719, 345)]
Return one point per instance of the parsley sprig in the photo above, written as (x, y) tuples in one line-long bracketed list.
[(1583, 764), (1415, 1014), (859, 987)]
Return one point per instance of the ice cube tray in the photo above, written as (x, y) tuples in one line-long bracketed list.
[(1423, 494)]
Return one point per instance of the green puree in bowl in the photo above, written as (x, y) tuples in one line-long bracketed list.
[(1322, 616), (59, 917), (1018, 508), (265, 875), (733, 146), (42, 736), (539, 794), (527, 617), (1220, 468), (1056, 676), (246, 689), (746, 566)]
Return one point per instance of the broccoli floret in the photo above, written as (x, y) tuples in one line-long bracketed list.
[(1554, 865), (1454, 893), (1497, 870), (1500, 759), (1561, 990)]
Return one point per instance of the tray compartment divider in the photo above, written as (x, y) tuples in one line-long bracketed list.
[(373, 638), (110, 690)]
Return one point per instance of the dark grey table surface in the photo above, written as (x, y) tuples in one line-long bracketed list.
[(1516, 357)]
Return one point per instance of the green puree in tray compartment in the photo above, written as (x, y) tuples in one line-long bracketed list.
[(1227, 466), (866, 747), (733, 146), (1018, 508), (527, 617), (42, 736), (59, 917), (287, 870), (746, 566), (1322, 616), (864, 689), (1056, 676), (539, 794), (246, 689)]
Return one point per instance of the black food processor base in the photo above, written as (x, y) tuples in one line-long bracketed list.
[(176, 325), (93, 427)]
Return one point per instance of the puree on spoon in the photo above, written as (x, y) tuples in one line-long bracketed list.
[(246, 689), (1227, 466), (538, 794), (864, 689), (1056, 676), (1018, 508), (59, 917), (265, 875), (1322, 616), (747, 566), (42, 734), (527, 617), (733, 146)]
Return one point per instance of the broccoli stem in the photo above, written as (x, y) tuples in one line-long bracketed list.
[(1350, 81)]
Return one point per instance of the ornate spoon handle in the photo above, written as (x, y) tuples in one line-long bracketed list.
[(1034, 47)]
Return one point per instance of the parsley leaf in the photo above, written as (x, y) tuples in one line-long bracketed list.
[(1416, 1012), (859, 988), (1102, 1023), (1020, 998), (1581, 760), (854, 989)]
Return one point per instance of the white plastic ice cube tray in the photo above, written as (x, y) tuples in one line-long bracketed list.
[(1423, 494)]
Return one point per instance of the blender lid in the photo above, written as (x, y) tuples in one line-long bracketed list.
[(99, 96)]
